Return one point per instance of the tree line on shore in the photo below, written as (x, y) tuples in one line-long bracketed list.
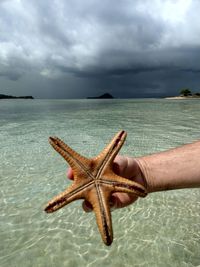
[(188, 92)]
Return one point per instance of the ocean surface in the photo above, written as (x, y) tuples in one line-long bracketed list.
[(161, 230)]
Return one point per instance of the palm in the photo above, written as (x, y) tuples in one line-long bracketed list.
[(128, 168)]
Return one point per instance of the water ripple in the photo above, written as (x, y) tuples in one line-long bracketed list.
[(160, 230)]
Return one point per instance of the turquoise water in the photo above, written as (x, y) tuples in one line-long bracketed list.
[(160, 230)]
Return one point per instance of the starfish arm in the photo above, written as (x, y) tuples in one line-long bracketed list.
[(99, 199), (121, 184), (72, 193), (110, 151), (77, 162)]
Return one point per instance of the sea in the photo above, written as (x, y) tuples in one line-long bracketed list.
[(160, 230)]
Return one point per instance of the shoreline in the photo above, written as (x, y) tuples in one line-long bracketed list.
[(2, 96), (182, 97)]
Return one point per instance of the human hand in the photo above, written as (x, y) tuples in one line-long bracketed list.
[(126, 167)]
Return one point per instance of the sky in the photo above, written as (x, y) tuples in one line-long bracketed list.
[(76, 48)]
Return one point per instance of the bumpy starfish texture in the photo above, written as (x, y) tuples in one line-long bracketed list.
[(94, 181)]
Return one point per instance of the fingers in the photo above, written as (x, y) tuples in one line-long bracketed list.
[(126, 167), (121, 200), (120, 165), (87, 207), (117, 201), (123, 166)]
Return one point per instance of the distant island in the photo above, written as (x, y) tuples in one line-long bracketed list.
[(185, 93), (15, 97), (104, 96)]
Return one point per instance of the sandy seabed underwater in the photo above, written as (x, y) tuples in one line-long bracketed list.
[(161, 230)]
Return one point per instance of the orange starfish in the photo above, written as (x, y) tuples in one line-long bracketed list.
[(94, 181)]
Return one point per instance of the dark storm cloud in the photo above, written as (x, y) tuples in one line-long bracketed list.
[(147, 46)]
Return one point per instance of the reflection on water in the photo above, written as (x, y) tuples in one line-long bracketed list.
[(161, 230)]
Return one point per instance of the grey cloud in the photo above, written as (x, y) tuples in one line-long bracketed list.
[(133, 44)]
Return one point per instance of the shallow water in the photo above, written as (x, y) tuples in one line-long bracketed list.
[(161, 230)]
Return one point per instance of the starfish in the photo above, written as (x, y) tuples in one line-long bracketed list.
[(94, 181)]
